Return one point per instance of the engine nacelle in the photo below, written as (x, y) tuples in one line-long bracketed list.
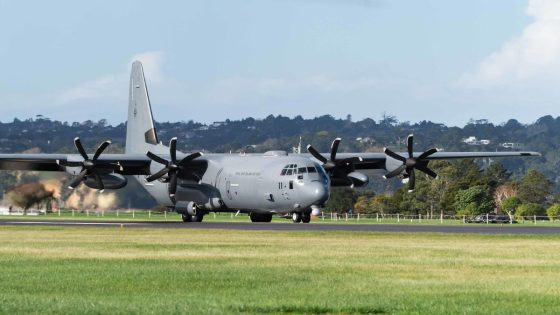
[(111, 181), (359, 179)]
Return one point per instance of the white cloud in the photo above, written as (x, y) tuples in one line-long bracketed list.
[(535, 53)]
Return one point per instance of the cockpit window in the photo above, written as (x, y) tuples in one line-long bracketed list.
[(290, 169), (311, 169), (302, 170)]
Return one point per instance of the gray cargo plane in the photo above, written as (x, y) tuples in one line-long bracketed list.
[(195, 184)]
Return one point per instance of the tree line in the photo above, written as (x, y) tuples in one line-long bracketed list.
[(463, 188)]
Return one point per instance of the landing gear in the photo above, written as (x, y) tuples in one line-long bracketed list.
[(260, 217), (186, 217), (192, 218), (296, 217), (304, 217)]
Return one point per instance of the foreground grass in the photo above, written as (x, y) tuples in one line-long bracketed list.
[(105, 270)]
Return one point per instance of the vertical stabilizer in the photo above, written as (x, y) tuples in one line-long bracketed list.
[(140, 130)]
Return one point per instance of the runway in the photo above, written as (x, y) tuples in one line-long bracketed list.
[(404, 228)]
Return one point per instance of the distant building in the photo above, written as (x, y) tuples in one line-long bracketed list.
[(473, 141), (512, 145)]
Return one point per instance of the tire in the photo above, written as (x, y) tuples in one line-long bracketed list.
[(296, 217), (197, 218), (186, 217), (260, 217), (306, 218)]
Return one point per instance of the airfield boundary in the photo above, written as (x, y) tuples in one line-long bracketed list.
[(330, 217)]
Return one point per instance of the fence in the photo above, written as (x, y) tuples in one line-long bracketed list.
[(426, 218), (333, 217)]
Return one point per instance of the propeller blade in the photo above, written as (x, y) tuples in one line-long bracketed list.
[(173, 149), (157, 175), (99, 182), (426, 170), (172, 186), (395, 172), (66, 163), (100, 150), (334, 148), (189, 158), (410, 145), (157, 158), (80, 148), (411, 181), (316, 154), (78, 179), (426, 154), (394, 155)]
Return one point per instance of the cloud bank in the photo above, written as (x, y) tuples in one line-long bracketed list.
[(535, 53)]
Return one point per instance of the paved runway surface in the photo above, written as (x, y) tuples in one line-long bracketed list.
[(469, 229)]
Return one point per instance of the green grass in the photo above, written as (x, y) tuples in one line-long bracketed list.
[(117, 271)]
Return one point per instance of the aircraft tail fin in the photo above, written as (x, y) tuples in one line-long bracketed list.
[(140, 129)]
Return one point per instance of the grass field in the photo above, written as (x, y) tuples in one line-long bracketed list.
[(106, 270)]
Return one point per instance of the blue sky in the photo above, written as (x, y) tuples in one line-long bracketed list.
[(208, 60)]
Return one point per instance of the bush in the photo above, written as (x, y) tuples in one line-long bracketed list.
[(529, 209), (553, 211), (510, 204)]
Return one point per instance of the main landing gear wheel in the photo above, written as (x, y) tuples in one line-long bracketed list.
[(186, 217), (296, 217), (191, 218), (306, 218), (260, 217)]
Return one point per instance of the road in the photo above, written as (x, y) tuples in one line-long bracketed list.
[(405, 228)]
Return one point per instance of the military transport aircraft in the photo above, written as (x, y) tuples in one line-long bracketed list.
[(195, 184)]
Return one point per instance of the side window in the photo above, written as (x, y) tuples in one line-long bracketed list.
[(291, 184)]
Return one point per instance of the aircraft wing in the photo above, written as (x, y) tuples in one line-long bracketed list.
[(442, 155), (376, 160), (131, 164)]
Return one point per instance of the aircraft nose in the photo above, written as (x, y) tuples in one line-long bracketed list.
[(316, 192)]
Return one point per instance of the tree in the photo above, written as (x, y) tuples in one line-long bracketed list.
[(504, 192), (534, 188), (341, 200), (509, 205), (474, 200), (380, 204), (363, 203), (529, 210), (553, 211), (495, 175)]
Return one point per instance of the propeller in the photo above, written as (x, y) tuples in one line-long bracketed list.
[(171, 167), (411, 163), (90, 167), (337, 169)]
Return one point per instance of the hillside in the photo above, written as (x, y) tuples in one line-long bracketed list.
[(278, 132)]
